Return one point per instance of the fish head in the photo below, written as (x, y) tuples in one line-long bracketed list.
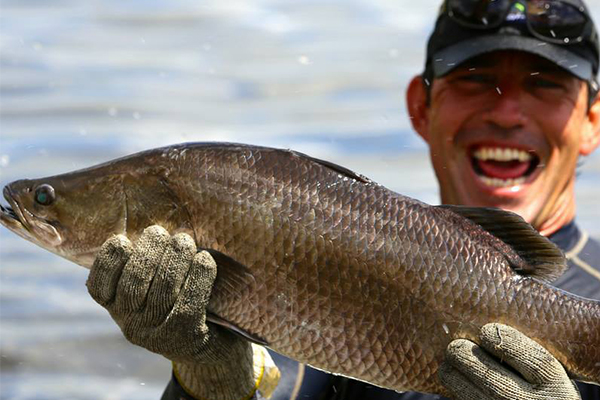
[(73, 214), (70, 215)]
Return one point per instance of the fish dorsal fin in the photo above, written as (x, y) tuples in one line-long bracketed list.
[(327, 164), (337, 168), (537, 256)]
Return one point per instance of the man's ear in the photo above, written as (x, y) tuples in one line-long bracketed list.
[(591, 130), (418, 110)]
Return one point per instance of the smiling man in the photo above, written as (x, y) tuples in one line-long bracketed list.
[(507, 105), (506, 129)]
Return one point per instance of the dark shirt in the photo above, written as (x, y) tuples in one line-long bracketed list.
[(302, 382)]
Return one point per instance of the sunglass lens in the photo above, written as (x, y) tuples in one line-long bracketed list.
[(556, 19), (479, 13)]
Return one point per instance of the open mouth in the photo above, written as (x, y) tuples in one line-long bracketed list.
[(10, 215), (8, 212), (501, 167)]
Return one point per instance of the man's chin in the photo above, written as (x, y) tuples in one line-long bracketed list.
[(520, 205)]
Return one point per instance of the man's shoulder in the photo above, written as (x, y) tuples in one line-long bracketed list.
[(586, 255), (583, 275), (591, 252)]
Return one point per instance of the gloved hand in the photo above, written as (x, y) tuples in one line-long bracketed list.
[(157, 292), (471, 372)]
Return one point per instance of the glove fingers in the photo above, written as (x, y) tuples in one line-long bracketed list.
[(188, 316), (107, 268), (219, 345), (197, 287), (141, 268), (525, 355), (484, 371), (206, 268), (459, 386), (171, 272)]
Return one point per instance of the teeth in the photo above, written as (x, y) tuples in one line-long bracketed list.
[(496, 182), (501, 154)]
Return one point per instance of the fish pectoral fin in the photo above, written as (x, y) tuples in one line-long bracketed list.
[(233, 277), (536, 255), (226, 324)]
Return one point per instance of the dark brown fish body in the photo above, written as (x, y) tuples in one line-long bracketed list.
[(336, 271)]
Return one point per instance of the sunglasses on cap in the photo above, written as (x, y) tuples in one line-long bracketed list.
[(553, 21)]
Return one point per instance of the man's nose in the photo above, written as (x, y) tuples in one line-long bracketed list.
[(506, 109)]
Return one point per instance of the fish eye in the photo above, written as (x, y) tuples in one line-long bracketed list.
[(44, 194)]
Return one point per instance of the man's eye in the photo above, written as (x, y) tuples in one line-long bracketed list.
[(545, 83), (477, 78)]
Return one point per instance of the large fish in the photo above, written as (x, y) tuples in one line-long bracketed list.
[(320, 263)]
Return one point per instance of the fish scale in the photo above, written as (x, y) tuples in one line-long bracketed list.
[(330, 268)]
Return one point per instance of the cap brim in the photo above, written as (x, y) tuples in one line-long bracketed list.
[(451, 57)]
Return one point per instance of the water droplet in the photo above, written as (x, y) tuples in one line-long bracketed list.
[(4, 160), (304, 60)]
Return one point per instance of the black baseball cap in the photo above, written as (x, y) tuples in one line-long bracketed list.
[(453, 43)]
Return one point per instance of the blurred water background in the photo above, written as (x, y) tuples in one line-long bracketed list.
[(87, 81)]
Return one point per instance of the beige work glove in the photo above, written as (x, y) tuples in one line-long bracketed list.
[(157, 292), (471, 372)]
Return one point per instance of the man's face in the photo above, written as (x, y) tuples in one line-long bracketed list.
[(506, 130)]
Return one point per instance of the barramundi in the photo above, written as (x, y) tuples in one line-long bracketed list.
[(320, 263)]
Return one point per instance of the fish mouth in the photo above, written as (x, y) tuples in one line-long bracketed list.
[(11, 216), (8, 212)]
